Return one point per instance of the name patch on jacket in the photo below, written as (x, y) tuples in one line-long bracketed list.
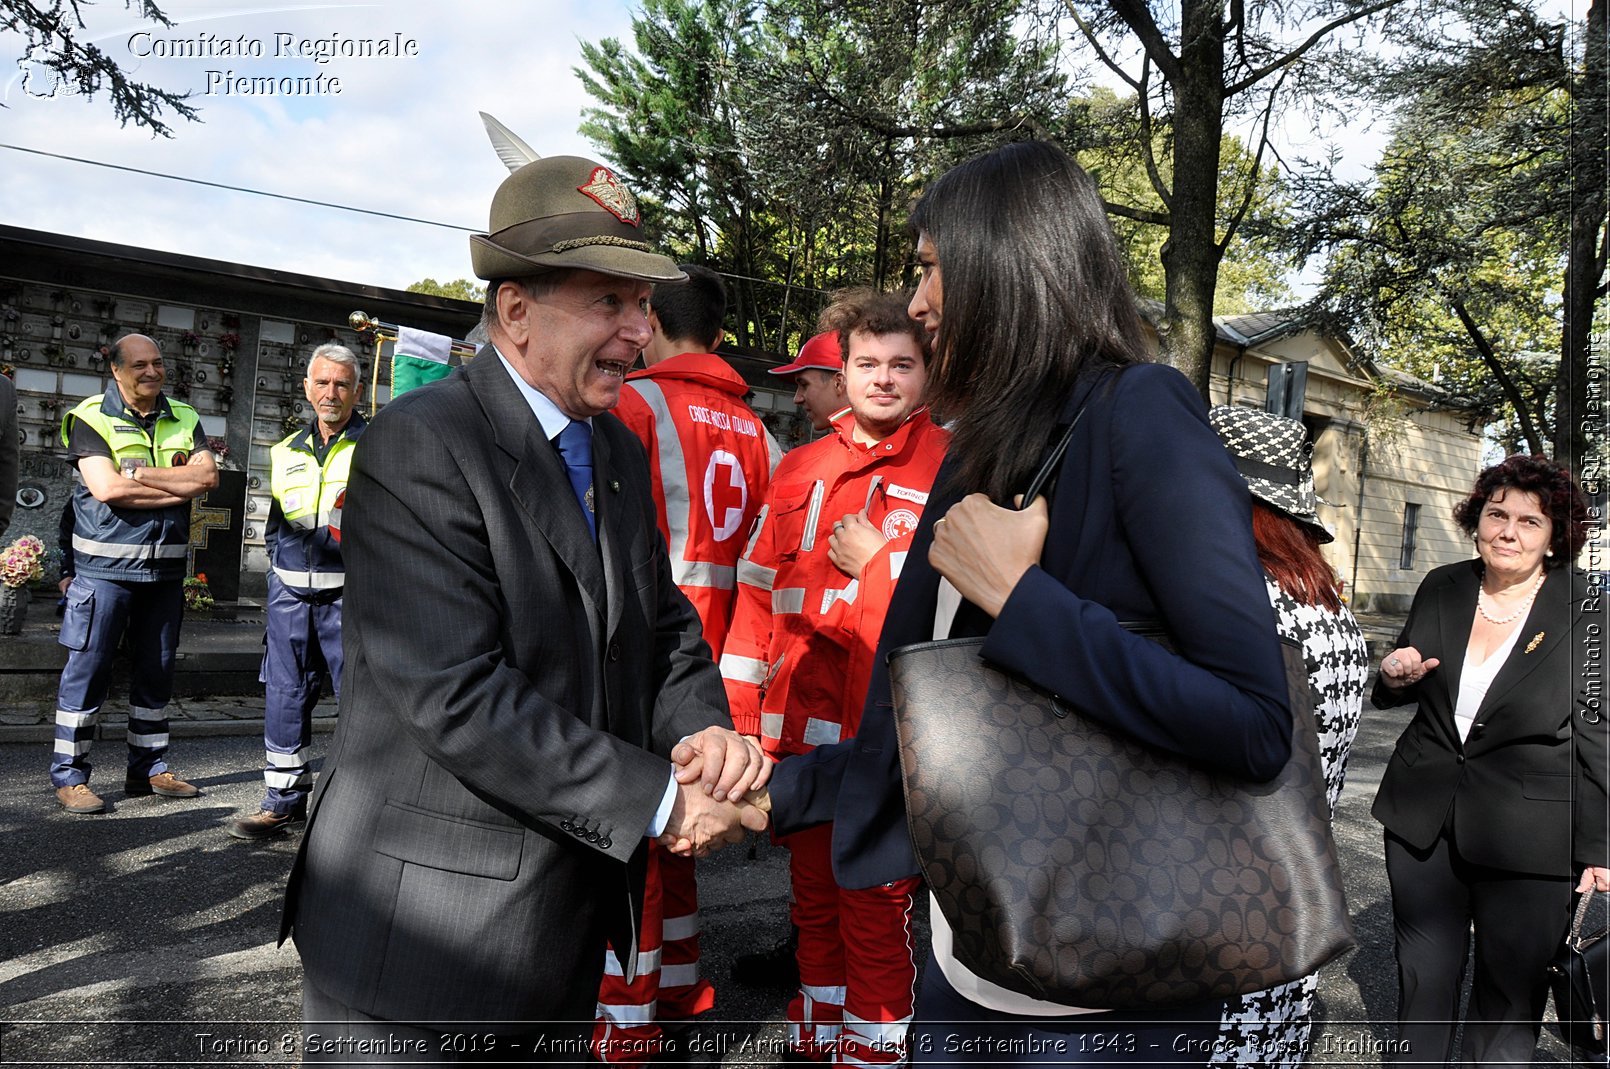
[(906, 493)]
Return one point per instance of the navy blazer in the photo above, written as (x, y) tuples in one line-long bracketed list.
[(1526, 791), (1149, 521)]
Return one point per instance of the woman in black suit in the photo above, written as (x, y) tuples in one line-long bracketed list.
[(1025, 297), (1495, 799)]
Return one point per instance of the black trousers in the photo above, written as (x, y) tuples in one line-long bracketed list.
[(334, 1033), (1519, 920)]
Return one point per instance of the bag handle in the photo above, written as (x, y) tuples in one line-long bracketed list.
[(1575, 938)]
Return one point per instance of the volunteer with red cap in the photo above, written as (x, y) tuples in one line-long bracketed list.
[(818, 377), (813, 587)]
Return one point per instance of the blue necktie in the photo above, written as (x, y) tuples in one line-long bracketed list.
[(576, 449)]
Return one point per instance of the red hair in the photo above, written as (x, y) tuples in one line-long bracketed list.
[(1289, 552)]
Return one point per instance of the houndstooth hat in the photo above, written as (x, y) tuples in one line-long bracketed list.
[(1274, 457)]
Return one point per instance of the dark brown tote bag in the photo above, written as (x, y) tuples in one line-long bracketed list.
[(1078, 865)]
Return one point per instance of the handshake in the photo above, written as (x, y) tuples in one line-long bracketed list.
[(720, 792)]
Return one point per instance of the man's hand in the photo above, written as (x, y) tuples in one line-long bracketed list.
[(700, 825), (854, 541), (984, 549), (728, 764)]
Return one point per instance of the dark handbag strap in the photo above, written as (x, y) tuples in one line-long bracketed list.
[(1040, 484)]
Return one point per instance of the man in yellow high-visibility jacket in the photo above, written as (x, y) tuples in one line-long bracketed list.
[(308, 470), (141, 458)]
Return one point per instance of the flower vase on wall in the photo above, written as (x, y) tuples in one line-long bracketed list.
[(13, 608)]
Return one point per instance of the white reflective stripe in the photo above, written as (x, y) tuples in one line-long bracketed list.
[(743, 669), (685, 975), (673, 471), (128, 551), (150, 742), (788, 599), (648, 961), (683, 927), (774, 452), (771, 725), (821, 732), (752, 574), (847, 595), (828, 996), (287, 760), (311, 580), (284, 781), (631, 1015), (754, 532), (703, 573), (68, 719), (140, 712), (897, 563), (877, 1033), (68, 748), (812, 516)]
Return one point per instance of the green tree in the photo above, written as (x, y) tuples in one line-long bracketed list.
[(1198, 65), (1480, 243), (461, 289), (1251, 276), (781, 142), (56, 54)]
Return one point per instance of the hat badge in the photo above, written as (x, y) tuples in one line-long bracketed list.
[(603, 187)]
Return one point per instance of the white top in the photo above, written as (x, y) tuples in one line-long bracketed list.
[(1474, 679), (968, 984)]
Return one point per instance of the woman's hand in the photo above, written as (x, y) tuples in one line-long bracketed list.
[(1593, 878), (984, 549), (1404, 667)]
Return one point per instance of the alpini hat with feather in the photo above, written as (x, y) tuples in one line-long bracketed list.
[(566, 211)]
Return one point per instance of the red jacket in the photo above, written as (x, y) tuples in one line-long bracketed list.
[(710, 459), (799, 655)]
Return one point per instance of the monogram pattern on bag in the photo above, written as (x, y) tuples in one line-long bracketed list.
[(1137, 880)]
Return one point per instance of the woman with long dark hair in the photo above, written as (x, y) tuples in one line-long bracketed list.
[(1032, 322)]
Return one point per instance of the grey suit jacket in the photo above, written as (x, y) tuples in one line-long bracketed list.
[(510, 694)]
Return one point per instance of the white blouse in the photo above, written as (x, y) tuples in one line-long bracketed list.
[(1474, 679)]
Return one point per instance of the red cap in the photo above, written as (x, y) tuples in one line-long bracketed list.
[(821, 352)]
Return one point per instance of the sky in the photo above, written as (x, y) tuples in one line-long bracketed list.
[(401, 134), (386, 133)]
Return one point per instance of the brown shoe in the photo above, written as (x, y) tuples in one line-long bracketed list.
[(264, 824), (164, 783), (78, 798)]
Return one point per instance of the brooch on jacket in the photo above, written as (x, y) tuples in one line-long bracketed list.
[(1537, 640)]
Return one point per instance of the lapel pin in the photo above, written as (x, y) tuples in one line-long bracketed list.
[(614, 486), (1537, 640)]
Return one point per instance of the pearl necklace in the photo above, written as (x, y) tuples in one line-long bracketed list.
[(1518, 613)]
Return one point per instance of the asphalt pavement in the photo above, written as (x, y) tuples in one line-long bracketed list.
[(146, 936)]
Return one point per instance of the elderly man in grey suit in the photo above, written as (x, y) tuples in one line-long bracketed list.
[(519, 668)]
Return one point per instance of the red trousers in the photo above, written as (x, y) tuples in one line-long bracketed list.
[(857, 965), (668, 986)]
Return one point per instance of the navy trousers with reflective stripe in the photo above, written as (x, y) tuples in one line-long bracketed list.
[(99, 612), (303, 641)]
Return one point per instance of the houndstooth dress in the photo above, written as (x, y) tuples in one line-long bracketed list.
[(1272, 1027)]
